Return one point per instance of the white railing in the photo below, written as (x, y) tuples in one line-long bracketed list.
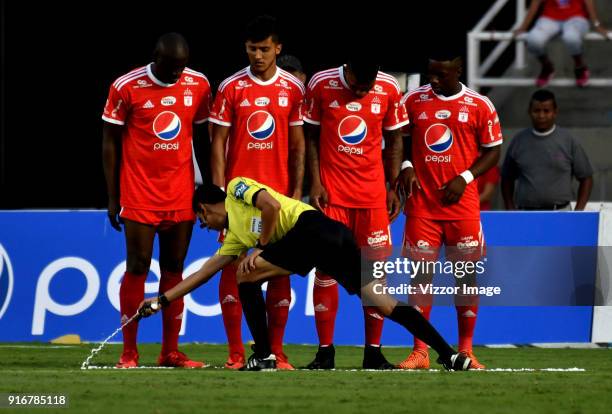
[(476, 69)]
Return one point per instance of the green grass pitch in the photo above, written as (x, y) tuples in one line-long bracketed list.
[(44, 369)]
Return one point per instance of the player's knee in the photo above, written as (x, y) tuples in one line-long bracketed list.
[(385, 310), (138, 263)]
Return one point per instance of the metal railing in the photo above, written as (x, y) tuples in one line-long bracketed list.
[(476, 70)]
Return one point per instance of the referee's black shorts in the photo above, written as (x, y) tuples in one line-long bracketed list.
[(318, 241)]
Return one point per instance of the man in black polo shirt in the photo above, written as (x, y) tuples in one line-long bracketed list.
[(544, 159)]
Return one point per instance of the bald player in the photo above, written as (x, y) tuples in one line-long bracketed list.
[(151, 115)]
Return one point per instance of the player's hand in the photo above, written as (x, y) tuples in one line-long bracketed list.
[(149, 307), (318, 196), (406, 181), (394, 205), (453, 190), (113, 214), (248, 263)]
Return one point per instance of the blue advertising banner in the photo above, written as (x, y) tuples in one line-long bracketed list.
[(60, 273)]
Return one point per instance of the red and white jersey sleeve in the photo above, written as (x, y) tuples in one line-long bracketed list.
[(222, 110), (447, 134), (157, 170), (312, 113), (396, 116), (488, 128), (117, 104)]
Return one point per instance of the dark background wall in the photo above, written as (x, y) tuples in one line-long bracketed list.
[(59, 58)]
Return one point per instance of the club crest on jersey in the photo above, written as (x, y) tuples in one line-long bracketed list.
[(352, 130), (443, 114), (261, 125), (187, 98), (438, 138), (167, 125)]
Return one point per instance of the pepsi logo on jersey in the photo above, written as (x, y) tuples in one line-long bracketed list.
[(261, 126), (166, 126), (352, 130), (438, 139)]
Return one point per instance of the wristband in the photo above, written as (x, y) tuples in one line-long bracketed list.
[(163, 300), (406, 164), (467, 176)]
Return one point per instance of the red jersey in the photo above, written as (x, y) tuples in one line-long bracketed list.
[(447, 133), (156, 162), (351, 137), (564, 9), (259, 115)]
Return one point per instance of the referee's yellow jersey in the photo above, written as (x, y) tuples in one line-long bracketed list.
[(245, 219)]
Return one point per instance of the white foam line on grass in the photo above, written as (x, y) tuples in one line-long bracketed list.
[(575, 369)]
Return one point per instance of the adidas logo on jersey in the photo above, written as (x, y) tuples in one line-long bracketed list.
[(334, 104), (148, 105), (245, 103), (423, 116)]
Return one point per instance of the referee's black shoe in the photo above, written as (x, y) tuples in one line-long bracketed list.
[(456, 362), (259, 363), (374, 359), (325, 358)]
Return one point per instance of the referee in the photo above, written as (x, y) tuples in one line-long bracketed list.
[(286, 236)]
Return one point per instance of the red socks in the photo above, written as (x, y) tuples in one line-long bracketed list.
[(466, 321), (425, 311), (325, 301), (278, 299), (373, 325), (172, 315), (131, 293), (231, 309)]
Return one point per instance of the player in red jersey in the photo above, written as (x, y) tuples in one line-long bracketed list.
[(449, 124), (257, 133), (349, 110), (151, 115)]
